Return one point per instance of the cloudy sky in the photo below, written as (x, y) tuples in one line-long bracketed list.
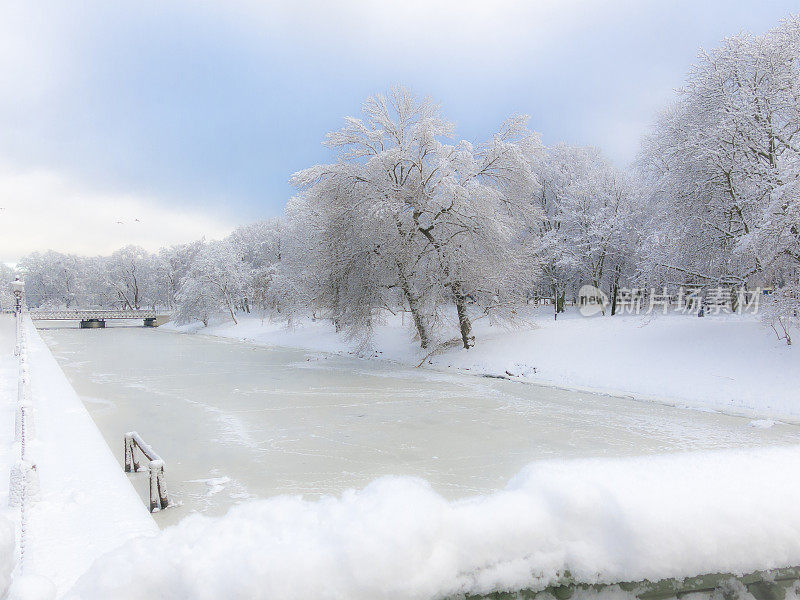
[(156, 122)]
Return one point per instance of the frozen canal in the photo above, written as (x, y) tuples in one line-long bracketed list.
[(236, 421)]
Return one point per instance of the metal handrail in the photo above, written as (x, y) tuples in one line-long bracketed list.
[(155, 464)]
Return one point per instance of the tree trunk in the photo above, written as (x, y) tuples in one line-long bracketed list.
[(559, 294), (560, 300), (419, 322), (233, 315), (336, 314), (464, 323), (614, 290), (596, 284), (413, 305)]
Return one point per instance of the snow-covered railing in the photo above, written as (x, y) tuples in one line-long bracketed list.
[(24, 478), (158, 487)]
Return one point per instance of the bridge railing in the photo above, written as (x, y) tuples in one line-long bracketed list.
[(158, 487), (44, 314)]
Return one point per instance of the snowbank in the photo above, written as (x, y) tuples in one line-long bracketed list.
[(8, 557), (8, 454), (599, 520), (86, 506), (733, 364), (728, 363)]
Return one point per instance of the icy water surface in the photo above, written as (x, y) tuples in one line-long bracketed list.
[(235, 421)]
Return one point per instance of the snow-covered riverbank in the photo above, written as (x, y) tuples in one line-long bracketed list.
[(721, 362), (86, 507)]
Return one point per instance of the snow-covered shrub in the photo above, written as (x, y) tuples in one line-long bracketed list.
[(782, 312)]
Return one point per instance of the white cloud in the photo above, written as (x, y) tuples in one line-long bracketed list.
[(42, 210), (404, 30)]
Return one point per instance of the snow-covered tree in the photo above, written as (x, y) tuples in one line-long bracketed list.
[(215, 284), (260, 246), (591, 213), (171, 267), (404, 210), (7, 275), (131, 274), (724, 157), (53, 279), (723, 164)]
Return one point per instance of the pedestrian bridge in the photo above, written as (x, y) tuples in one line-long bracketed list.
[(90, 319)]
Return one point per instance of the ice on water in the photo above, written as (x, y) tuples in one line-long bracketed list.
[(236, 421)]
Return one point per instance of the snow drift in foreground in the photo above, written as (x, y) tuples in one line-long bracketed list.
[(601, 520), (7, 553)]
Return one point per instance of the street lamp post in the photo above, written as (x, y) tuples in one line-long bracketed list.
[(18, 287)]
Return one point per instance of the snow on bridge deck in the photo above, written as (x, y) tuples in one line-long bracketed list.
[(87, 505)]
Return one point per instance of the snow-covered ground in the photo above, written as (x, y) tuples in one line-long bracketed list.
[(728, 363), (86, 506)]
